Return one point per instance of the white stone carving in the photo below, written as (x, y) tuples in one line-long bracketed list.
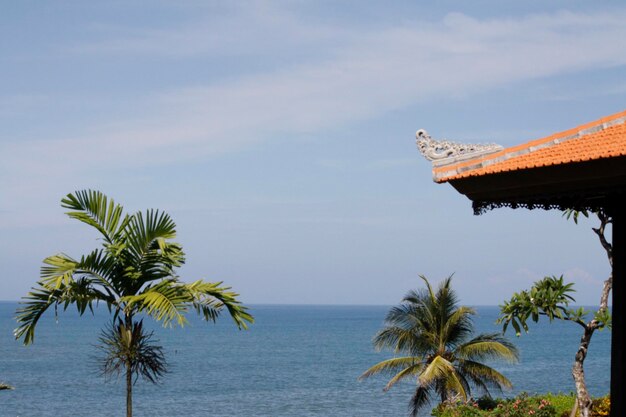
[(437, 150)]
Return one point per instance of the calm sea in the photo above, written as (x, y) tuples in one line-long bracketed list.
[(294, 361)]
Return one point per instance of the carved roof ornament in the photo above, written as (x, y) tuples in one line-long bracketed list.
[(444, 151)]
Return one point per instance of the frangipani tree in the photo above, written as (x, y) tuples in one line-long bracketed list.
[(133, 273), (550, 297)]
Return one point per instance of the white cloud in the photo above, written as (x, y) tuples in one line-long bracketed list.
[(244, 28), (376, 71), (518, 280), (582, 276), (369, 73)]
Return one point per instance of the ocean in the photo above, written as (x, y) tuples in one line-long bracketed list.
[(299, 361)]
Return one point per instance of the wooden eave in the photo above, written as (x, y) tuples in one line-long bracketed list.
[(585, 185)]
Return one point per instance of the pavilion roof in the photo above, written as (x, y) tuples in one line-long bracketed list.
[(603, 138), (583, 168)]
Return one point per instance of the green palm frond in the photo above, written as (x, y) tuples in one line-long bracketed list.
[(488, 346), (487, 376), (95, 209), (405, 315), (58, 270), (80, 292), (36, 303), (210, 298), (456, 386), (148, 253), (457, 326), (149, 234), (431, 293), (420, 398), (401, 340), (439, 368), (481, 386), (166, 302), (61, 269), (441, 372), (393, 365), (411, 371)]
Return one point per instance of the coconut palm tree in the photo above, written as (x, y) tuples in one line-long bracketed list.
[(133, 273), (435, 336)]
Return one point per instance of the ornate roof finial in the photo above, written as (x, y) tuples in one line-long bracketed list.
[(439, 150)]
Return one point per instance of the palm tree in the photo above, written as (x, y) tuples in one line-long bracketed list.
[(133, 273), (432, 332)]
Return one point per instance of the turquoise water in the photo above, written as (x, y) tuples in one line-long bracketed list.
[(294, 361)]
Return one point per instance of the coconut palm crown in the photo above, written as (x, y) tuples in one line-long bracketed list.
[(434, 335)]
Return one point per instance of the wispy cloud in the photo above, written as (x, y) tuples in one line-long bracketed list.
[(370, 72), (375, 72), (245, 28)]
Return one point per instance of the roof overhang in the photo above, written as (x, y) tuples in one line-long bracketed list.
[(588, 185), (582, 168)]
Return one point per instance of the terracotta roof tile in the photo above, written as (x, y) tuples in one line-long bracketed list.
[(603, 138)]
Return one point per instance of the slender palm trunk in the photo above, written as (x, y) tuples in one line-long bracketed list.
[(129, 391), (129, 375)]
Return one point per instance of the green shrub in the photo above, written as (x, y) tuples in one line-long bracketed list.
[(524, 406), (563, 403), (458, 410), (487, 403), (601, 407), (547, 405)]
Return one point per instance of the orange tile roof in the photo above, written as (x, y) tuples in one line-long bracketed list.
[(603, 138)]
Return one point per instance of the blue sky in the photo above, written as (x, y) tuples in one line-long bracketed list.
[(280, 136)]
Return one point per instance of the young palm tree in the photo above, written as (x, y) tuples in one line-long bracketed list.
[(133, 273), (434, 334)]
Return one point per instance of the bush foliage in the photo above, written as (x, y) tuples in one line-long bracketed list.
[(548, 405)]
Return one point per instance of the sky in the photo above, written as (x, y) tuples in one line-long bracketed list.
[(280, 136)]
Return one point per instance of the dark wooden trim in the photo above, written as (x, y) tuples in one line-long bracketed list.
[(618, 332), (584, 180)]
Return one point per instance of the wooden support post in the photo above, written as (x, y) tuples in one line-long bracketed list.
[(618, 333)]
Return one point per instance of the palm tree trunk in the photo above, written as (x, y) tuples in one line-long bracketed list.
[(129, 391), (129, 375)]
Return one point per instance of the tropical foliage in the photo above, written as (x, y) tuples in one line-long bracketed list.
[(550, 297), (601, 407), (520, 406), (523, 405), (134, 274), (434, 335)]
